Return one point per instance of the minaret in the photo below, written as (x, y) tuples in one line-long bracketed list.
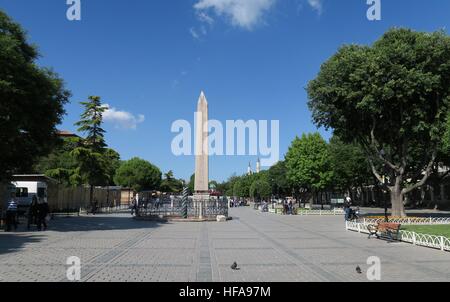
[(258, 166), (249, 169)]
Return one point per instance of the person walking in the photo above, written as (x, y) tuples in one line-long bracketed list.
[(133, 207), (11, 214), (43, 211), (32, 212)]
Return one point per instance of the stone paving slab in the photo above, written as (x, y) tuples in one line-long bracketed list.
[(267, 247)]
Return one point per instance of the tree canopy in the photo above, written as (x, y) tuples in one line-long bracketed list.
[(277, 176), (393, 99), (170, 184), (139, 175), (32, 102), (308, 162), (349, 164), (93, 163)]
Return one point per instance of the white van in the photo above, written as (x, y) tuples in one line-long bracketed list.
[(26, 189)]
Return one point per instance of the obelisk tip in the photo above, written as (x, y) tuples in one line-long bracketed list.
[(202, 98)]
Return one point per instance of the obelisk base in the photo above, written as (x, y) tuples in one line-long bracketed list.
[(200, 202)]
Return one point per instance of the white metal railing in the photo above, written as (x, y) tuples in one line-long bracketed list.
[(406, 220), (114, 209), (321, 212), (431, 241)]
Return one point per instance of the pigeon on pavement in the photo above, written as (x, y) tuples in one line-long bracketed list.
[(234, 266)]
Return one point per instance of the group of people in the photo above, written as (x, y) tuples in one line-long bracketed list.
[(288, 207), (36, 215), (236, 203), (138, 203)]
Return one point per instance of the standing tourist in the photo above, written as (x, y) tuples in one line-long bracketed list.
[(43, 211), (32, 212), (11, 214)]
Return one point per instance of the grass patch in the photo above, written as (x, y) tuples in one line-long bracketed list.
[(437, 230)]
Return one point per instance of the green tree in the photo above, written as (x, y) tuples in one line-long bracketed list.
[(139, 175), (308, 163), (60, 164), (170, 184), (393, 98), (238, 189), (112, 161), (32, 102), (349, 165), (278, 179), (91, 124), (260, 189), (191, 184), (228, 185), (93, 166)]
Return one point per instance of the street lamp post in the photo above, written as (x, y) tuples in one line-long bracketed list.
[(386, 218)]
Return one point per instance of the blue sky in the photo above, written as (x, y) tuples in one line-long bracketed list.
[(149, 60)]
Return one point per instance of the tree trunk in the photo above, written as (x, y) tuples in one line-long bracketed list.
[(398, 208), (91, 194)]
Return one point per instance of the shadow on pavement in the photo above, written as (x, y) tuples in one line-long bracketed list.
[(99, 223), (13, 241)]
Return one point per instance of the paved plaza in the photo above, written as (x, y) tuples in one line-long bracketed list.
[(267, 247)]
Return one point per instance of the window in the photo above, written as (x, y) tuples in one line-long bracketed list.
[(21, 192), (41, 193)]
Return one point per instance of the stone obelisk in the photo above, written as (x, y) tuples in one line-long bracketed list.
[(201, 186)]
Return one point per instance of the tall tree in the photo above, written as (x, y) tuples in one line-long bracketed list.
[(260, 189), (92, 164), (239, 190), (139, 175), (393, 98), (112, 161), (349, 165), (170, 184), (278, 179), (91, 124), (308, 163), (60, 164), (32, 102)]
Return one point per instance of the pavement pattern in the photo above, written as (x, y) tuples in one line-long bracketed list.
[(267, 248)]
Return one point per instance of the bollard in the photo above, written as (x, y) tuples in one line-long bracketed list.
[(184, 212)]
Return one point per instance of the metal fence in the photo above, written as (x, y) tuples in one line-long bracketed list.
[(321, 212), (431, 241), (412, 220), (210, 208)]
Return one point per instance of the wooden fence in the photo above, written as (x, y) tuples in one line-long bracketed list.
[(73, 199)]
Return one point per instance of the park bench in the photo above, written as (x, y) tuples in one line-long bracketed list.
[(384, 229)]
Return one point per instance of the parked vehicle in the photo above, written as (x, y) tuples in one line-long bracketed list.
[(25, 190)]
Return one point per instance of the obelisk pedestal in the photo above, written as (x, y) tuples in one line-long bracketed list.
[(201, 186)]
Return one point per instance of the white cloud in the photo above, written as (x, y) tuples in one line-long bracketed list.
[(316, 5), (204, 17), (122, 119), (242, 13), (194, 33)]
